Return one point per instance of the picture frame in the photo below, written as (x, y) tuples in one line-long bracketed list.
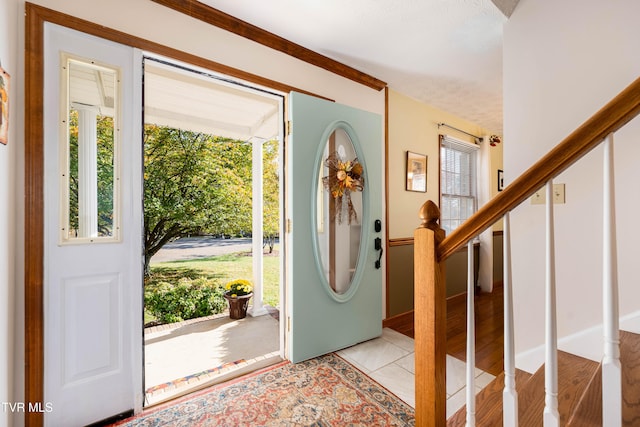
[(416, 172), (4, 106), (500, 180)]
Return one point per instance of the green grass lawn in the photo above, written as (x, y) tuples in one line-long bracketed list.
[(223, 268)]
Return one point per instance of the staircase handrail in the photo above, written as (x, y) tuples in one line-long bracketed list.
[(431, 248), (614, 115)]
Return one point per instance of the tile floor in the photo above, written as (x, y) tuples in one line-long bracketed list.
[(389, 360)]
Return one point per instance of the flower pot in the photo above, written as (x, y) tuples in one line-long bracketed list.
[(238, 305)]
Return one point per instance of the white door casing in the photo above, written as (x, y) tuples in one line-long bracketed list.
[(92, 289)]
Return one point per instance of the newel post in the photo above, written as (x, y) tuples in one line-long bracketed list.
[(429, 321)]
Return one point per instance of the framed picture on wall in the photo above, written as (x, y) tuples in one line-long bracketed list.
[(416, 172), (500, 180), (4, 106)]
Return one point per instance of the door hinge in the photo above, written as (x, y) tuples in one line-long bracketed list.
[(288, 127), (288, 323), (289, 226)]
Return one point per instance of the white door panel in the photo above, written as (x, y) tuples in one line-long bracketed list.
[(92, 288)]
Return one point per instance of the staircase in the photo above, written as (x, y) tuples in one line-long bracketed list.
[(579, 392), (567, 390)]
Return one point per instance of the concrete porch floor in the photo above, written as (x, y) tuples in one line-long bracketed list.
[(182, 357)]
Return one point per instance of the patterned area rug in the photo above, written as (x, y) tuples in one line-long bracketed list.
[(322, 392)]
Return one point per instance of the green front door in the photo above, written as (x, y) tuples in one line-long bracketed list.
[(334, 234)]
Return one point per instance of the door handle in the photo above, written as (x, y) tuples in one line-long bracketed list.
[(378, 247)]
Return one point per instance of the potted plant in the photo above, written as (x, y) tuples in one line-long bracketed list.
[(237, 293)]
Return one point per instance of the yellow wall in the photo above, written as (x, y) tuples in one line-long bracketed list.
[(413, 126), (496, 163)]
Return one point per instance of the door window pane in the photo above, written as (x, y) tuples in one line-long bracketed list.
[(340, 206), (90, 141)]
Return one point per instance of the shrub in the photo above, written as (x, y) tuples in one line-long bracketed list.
[(187, 299)]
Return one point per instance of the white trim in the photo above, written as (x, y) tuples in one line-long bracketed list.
[(460, 144), (581, 344), (221, 79)]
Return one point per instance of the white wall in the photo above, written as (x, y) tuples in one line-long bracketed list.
[(148, 20), (562, 62), (160, 24), (8, 60)]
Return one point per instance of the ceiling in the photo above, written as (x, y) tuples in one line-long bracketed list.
[(445, 53), (191, 100), (181, 98)]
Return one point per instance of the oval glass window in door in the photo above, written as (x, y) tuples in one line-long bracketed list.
[(339, 211)]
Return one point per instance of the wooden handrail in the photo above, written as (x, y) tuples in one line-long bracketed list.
[(619, 111)]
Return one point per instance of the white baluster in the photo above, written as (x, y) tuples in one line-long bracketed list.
[(509, 395), (551, 416), (611, 368), (471, 338)]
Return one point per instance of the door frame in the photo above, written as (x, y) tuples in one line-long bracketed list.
[(35, 18), (258, 308)]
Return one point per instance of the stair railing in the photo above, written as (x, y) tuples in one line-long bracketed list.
[(611, 367), (509, 395), (431, 249), (551, 416)]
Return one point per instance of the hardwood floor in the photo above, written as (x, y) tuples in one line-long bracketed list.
[(489, 328), (579, 380)]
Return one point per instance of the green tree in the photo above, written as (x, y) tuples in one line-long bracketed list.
[(271, 199), (105, 156), (194, 183)]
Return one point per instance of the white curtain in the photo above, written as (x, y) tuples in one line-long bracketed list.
[(485, 272)]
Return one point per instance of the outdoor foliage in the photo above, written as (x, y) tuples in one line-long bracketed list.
[(194, 183), (105, 152), (201, 184), (187, 299), (271, 202), (238, 287)]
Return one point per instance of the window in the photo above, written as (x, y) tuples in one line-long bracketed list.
[(89, 140), (458, 166)]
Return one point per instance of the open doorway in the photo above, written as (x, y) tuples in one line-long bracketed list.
[(212, 151)]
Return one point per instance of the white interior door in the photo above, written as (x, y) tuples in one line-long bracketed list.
[(334, 236), (93, 228)]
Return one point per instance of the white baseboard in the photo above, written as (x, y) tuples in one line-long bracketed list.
[(587, 344)]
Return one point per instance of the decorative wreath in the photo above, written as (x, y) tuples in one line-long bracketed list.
[(344, 177)]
